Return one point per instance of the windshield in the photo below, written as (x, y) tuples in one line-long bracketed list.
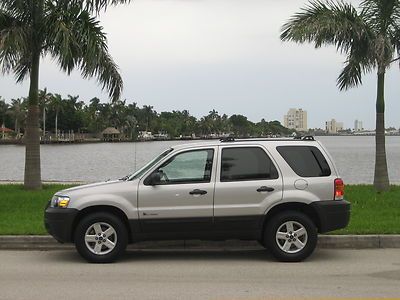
[(144, 169)]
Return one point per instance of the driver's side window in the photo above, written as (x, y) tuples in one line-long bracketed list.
[(187, 167)]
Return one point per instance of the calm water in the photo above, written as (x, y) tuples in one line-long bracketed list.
[(354, 157)]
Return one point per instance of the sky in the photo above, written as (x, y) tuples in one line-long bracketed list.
[(226, 55)]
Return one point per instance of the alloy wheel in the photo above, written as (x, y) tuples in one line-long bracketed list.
[(100, 238), (291, 237)]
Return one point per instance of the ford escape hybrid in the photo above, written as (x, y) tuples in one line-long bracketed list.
[(281, 192)]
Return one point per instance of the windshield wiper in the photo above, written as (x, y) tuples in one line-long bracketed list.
[(125, 178)]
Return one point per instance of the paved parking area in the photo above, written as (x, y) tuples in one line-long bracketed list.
[(200, 275)]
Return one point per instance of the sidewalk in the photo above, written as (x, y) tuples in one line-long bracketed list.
[(325, 241)]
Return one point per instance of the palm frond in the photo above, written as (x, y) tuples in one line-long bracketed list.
[(19, 9), (77, 40), (381, 14), (95, 6), (351, 74), (326, 23), (14, 45)]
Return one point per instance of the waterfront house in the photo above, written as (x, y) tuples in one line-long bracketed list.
[(6, 133), (111, 134)]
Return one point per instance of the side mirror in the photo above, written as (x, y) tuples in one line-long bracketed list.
[(153, 179)]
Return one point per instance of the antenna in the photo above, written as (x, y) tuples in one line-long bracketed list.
[(134, 155)]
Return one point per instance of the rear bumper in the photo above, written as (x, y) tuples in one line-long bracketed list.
[(59, 223), (332, 214)]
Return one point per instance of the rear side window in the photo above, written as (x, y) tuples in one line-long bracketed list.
[(306, 161), (247, 163)]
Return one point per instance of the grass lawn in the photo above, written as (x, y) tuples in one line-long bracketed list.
[(21, 212), (372, 212)]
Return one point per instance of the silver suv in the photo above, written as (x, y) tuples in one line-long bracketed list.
[(280, 192)]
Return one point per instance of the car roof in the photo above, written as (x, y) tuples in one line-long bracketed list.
[(249, 141)]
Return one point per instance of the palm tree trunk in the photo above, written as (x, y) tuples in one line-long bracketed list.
[(32, 178), (381, 178), (56, 125), (44, 122)]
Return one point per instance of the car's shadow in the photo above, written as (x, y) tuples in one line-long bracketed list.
[(71, 256)]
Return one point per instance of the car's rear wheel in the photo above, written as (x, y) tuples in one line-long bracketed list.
[(290, 236), (101, 237)]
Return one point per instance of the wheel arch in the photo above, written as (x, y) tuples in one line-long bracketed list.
[(102, 208), (295, 206)]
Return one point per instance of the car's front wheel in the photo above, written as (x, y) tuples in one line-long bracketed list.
[(101, 237), (290, 236)]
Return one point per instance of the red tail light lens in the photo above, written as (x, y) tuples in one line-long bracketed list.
[(339, 189)]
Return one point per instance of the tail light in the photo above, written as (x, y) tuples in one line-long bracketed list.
[(339, 189)]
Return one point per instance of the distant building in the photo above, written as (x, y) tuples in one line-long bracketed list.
[(358, 126), (333, 126), (296, 119)]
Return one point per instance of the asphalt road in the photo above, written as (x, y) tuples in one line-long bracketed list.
[(200, 275)]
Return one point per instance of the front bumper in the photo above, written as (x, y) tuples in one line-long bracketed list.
[(332, 214), (59, 223)]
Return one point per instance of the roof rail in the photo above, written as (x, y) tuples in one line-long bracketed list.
[(227, 139), (308, 138), (304, 137)]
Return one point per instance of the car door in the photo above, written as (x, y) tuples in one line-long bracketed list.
[(247, 182), (181, 203)]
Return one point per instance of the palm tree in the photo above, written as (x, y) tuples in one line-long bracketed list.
[(148, 115), (369, 36), (18, 113), (57, 105), (93, 114), (64, 30), (44, 100)]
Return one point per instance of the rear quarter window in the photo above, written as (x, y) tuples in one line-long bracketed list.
[(305, 161)]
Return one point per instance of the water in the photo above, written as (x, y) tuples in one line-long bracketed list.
[(353, 155)]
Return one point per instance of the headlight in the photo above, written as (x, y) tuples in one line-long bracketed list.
[(60, 201)]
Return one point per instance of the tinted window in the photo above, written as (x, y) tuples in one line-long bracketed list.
[(186, 167), (306, 161), (250, 163)]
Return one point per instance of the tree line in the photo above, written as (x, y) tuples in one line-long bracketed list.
[(63, 114)]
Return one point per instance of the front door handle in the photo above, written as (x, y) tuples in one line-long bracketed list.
[(265, 189), (198, 192)]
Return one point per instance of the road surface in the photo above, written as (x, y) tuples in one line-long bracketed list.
[(200, 275)]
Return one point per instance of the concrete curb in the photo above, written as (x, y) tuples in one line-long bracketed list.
[(34, 242)]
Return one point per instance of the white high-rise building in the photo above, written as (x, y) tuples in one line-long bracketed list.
[(296, 119), (333, 126), (358, 125)]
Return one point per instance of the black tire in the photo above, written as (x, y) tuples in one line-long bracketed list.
[(294, 253), (119, 239)]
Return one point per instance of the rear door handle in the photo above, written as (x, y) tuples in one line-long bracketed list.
[(198, 192), (265, 189)]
